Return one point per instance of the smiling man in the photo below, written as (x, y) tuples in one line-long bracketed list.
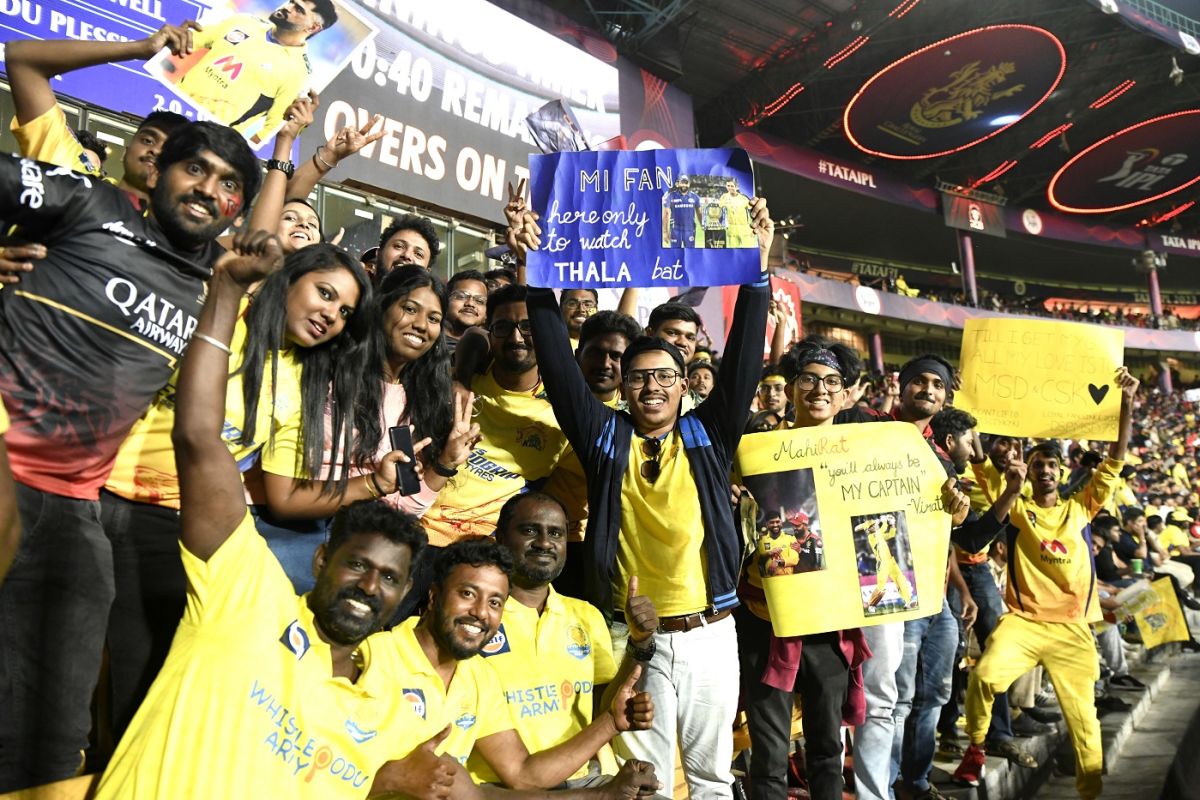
[(467, 308), (437, 661), (411, 239), (553, 653), (658, 500), (1051, 595), (577, 305), (87, 339)]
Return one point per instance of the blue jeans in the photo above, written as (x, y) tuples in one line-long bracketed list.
[(986, 595), (873, 739), (293, 541), (923, 687), (53, 614)]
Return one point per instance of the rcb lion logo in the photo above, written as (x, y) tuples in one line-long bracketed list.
[(963, 98)]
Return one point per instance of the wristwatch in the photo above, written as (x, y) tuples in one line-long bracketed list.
[(286, 167), (643, 654)]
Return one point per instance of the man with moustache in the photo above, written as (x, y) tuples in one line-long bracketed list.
[(658, 501), (520, 442), (283, 691), (577, 305), (87, 340), (553, 653), (468, 293), (436, 659)]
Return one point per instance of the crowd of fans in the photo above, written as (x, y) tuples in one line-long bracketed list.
[(1095, 312), (307, 525)]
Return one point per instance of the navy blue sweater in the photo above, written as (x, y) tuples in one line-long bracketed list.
[(601, 438)]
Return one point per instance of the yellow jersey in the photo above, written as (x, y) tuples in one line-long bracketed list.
[(662, 532), (144, 470), (520, 444), (1174, 539), (48, 138), (1051, 574), (473, 704), (549, 665), (244, 64), (246, 704)]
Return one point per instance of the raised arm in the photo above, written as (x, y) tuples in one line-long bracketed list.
[(726, 408), (345, 143), (268, 207), (978, 534), (1129, 386), (508, 756), (32, 64), (212, 500)]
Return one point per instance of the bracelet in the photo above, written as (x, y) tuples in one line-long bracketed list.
[(317, 156), (443, 470), (217, 343), (642, 654), (369, 480), (379, 492)]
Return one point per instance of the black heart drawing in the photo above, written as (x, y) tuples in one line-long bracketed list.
[(1097, 392)]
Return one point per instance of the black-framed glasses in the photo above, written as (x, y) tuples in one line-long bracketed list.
[(503, 328), (807, 381), (586, 305), (652, 466), (663, 376), (477, 299)]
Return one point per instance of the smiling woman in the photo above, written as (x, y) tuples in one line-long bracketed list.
[(300, 338)]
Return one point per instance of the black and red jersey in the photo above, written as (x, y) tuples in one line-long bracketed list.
[(94, 331)]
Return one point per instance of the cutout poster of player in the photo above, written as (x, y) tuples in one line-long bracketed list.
[(612, 219), (252, 59), (849, 525)]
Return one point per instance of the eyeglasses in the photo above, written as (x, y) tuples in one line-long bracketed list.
[(807, 382), (502, 329), (651, 467), (586, 305), (477, 299), (663, 376)]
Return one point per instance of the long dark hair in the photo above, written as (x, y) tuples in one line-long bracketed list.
[(426, 380), (329, 372)]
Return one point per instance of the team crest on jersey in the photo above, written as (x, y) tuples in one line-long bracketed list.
[(497, 644), (531, 436), (1032, 517), (579, 645), (236, 37), (295, 639), (358, 734), (465, 722), (415, 698)]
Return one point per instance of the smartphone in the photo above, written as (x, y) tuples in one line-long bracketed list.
[(406, 473)]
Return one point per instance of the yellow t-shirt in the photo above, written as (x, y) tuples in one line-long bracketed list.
[(1173, 539), (662, 532), (144, 470), (3, 419), (987, 484), (243, 64), (549, 665), (50, 139), (1052, 562), (473, 705), (519, 447), (246, 704), (569, 485)]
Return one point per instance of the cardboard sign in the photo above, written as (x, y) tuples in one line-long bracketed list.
[(1042, 379), (643, 218), (850, 528)]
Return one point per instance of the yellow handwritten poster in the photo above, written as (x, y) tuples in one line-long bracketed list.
[(1041, 378), (850, 529)]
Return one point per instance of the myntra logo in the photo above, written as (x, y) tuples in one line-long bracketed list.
[(1054, 546), (228, 65)]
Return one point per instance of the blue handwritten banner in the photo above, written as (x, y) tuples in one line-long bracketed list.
[(643, 218)]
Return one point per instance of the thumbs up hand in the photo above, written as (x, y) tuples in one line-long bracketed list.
[(640, 614)]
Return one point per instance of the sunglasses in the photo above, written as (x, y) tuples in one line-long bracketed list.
[(652, 467)]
